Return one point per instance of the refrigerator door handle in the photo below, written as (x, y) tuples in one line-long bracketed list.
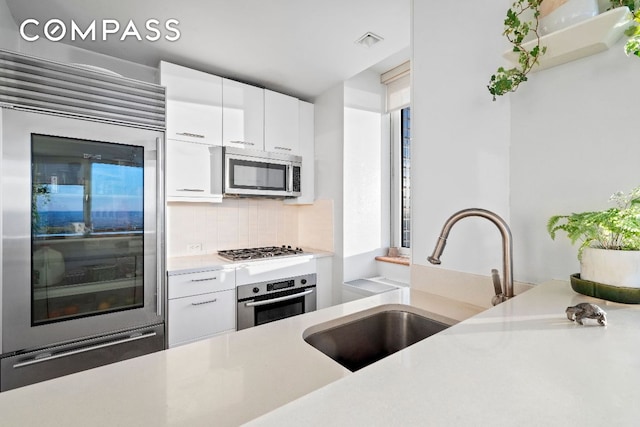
[(46, 357), (160, 226)]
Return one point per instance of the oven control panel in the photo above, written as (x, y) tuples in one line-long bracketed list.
[(280, 285), (254, 290)]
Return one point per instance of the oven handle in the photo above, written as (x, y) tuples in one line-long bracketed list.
[(45, 357), (285, 298)]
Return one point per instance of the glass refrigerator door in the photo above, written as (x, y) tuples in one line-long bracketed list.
[(87, 214)]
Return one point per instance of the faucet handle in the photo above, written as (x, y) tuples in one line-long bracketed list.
[(499, 296), (495, 276)]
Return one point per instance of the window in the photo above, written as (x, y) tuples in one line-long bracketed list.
[(401, 179), (397, 81), (405, 165)]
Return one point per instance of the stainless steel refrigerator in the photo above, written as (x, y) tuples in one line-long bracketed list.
[(82, 219)]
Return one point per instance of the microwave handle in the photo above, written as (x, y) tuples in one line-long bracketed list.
[(289, 179)]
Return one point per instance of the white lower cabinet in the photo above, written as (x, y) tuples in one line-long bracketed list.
[(324, 278), (201, 305), (201, 316)]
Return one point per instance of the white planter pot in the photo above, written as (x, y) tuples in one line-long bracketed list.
[(565, 13), (609, 267)]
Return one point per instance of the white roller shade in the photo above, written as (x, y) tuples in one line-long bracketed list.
[(398, 82)]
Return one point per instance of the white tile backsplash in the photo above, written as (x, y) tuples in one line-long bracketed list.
[(315, 228), (242, 223)]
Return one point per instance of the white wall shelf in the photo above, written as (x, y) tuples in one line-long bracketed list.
[(585, 38)]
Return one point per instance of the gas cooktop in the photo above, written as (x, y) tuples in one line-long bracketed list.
[(258, 253)]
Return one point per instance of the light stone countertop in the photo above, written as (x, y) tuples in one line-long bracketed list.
[(223, 381), (208, 262), (520, 363)]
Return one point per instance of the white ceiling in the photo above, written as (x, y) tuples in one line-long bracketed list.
[(300, 47)]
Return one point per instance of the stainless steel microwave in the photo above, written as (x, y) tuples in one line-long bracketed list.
[(260, 173)]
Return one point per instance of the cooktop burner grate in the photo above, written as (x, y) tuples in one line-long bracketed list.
[(258, 253)]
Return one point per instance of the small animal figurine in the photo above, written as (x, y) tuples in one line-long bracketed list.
[(586, 310)]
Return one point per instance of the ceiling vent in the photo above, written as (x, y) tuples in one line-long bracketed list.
[(369, 39)]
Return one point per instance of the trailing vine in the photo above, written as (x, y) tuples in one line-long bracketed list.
[(632, 46), (516, 29)]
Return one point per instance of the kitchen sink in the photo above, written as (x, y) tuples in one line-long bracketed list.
[(359, 340)]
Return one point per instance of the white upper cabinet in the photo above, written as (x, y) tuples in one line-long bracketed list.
[(242, 115), (306, 149), (191, 175), (280, 123), (194, 104)]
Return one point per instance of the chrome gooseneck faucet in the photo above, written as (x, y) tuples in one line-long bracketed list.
[(507, 249)]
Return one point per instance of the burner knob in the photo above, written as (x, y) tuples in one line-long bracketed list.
[(256, 290), (303, 281), (288, 247)]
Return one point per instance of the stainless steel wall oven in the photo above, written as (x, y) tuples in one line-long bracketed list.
[(82, 218), (260, 303)]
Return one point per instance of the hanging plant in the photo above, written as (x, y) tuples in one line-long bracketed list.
[(516, 30), (632, 46)]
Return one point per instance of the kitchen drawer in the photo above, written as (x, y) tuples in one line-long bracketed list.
[(275, 269), (201, 316), (186, 285)]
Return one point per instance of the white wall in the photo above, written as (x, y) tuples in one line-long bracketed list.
[(560, 144), (366, 176), (352, 169), (573, 145), (8, 29), (329, 137), (460, 138)]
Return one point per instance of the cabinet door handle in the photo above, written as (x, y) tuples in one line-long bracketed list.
[(282, 148), (192, 135), (195, 190), (243, 142), (205, 279), (205, 302)]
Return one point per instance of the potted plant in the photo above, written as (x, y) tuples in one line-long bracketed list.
[(523, 21), (610, 250)]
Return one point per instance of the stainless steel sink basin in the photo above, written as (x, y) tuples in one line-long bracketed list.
[(361, 341)]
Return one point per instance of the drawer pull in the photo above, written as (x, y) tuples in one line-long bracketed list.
[(195, 190), (49, 356), (192, 135), (206, 279), (282, 148), (204, 302)]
